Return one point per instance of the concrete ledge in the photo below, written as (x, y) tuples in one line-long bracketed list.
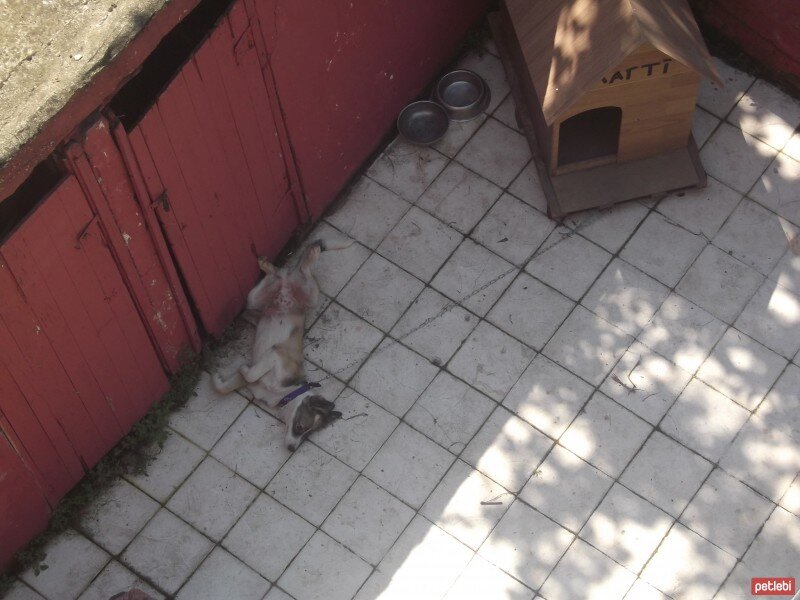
[(67, 54)]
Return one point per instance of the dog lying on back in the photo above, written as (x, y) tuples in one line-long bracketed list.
[(274, 373)]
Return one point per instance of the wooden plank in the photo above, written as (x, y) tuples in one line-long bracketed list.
[(165, 259), (144, 269), (23, 509), (20, 373), (249, 216), (18, 419), (36, 364), (151, 381), (199, 159), (171, 228), (208, 280), (33, 256), (244, 80), (238, 194), (672, 29), (284, 147), (80, 166), (252, 120), (530, 122), (605, 185), (283, 223), (119, 351)]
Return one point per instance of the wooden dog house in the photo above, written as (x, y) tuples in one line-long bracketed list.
[(607, 89)]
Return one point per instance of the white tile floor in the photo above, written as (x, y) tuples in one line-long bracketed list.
[(602, 408)]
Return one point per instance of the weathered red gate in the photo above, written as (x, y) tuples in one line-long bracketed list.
[(94, 310), (211, 154), (150, 238), (77, 365)]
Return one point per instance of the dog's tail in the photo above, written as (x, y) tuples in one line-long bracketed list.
[(325, 245)]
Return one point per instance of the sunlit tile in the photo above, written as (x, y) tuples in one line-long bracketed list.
[(741, 368), (666, 473), (727, 512), (585, 572), (466, 504), (687, 566), (704, 420), (526, 544), (548, 396), (626, 528), (507, 449), (566, 488)]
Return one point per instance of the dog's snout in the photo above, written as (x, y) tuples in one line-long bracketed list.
[(291, 447)]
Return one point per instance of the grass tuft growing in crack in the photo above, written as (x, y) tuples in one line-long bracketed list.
[(129, 456)]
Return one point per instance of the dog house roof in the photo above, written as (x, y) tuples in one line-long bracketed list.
[(569, 45)]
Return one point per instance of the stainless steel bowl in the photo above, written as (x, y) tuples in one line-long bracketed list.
[(423, 122), (463, 94)]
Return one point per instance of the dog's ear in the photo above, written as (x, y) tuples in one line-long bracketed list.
[(319, 405), (323, 409)]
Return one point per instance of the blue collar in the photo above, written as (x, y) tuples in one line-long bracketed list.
[(298, 392)]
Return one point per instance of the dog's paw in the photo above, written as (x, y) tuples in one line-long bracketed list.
[(217, 383), (265, 265)]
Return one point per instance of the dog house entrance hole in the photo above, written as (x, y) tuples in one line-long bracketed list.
[(589, 135)]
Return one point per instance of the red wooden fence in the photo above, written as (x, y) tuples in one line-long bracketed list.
[(213, 163), (149, 273), (150, 239), (766, 31), (343, 70), (77, 366)]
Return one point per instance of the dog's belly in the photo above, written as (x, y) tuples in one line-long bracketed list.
[(272, 332)]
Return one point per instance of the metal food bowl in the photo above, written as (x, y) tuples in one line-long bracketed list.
[(464, 94), (423, 122)]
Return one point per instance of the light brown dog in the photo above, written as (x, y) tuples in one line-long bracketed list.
[(275, 374)]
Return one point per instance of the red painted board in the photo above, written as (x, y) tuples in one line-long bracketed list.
[(21, 375), (121, 353), (115, 241), (34, 362), (767, 31), (218, 153), (162, 313), (251, 112), (113, 267), (252, 119), (154, 152), (165, 258), (23, 510), (189, 227), (202, 164), (19, 422), (34, 256), (208, 91), (343, 70), (250, 83), (284, 149)]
